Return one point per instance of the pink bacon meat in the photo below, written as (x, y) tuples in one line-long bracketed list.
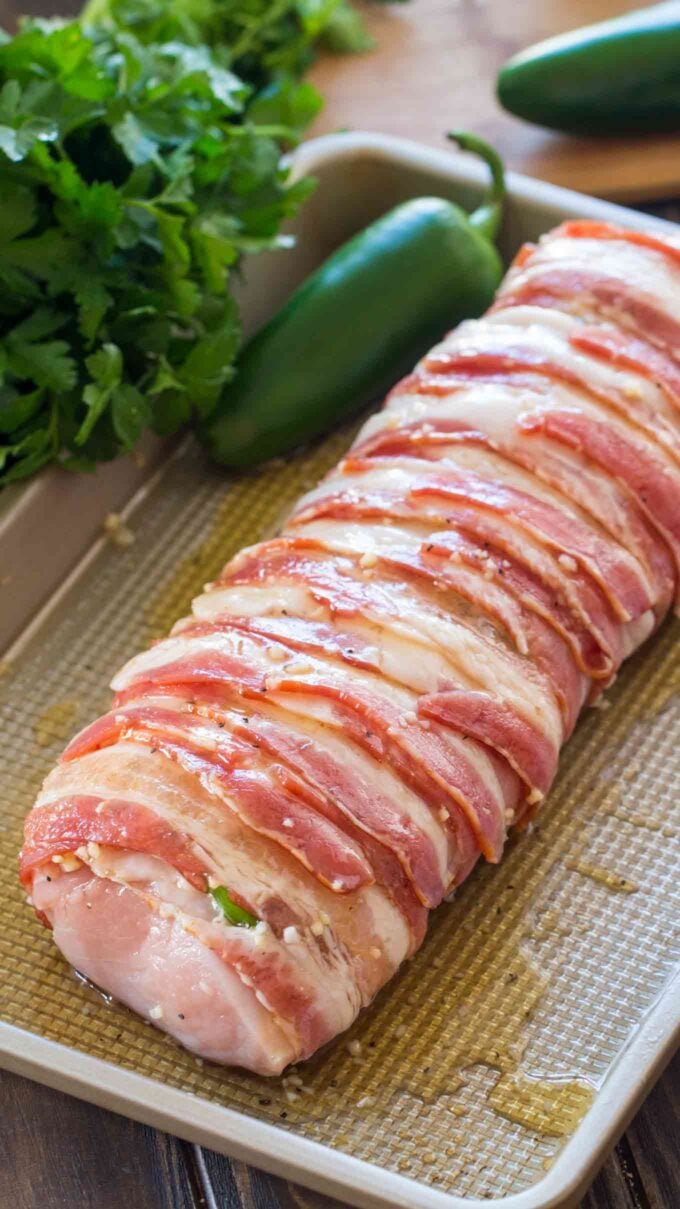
[(246, 848)]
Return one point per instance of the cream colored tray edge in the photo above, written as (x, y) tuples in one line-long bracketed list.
[(331, 1171), (533, 207)]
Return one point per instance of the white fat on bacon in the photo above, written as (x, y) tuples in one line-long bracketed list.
[(559, 475), (644, 272), (546, 334), (418, 649)]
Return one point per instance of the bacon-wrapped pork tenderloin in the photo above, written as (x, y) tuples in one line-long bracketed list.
[(246, 847)]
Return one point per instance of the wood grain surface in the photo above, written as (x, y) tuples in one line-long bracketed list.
[(433, 69), (57, 1153)]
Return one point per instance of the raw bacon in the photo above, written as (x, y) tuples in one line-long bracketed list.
[(246, 847)]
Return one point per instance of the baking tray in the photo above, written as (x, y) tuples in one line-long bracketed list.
[(504, 1059)]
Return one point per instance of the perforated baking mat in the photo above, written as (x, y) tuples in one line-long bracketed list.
[(477, 1064)]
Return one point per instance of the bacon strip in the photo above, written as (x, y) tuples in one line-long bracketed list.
[(614, 501), (623, 349), (646, 476), (492, 722), (589, 229), (440, 773), (607, 298), (525, 367), (260, 800), (438, 500), (65, 824)]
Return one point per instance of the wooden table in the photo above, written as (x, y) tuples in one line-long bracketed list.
[(59, 1153), (433, 69)]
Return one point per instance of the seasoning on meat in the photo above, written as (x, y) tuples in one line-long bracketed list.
[(246, 847)]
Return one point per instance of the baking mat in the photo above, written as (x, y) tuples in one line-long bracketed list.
[(475, 1065)]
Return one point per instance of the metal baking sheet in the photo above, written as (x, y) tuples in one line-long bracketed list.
[(507, 1055)]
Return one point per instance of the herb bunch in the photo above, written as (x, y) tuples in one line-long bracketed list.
[(138, 164)]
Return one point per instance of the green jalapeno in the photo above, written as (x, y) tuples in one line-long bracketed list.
[(362, 318), (232, 912), (617, 77)]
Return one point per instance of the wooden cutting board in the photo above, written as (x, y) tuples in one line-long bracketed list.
[(434, 68)]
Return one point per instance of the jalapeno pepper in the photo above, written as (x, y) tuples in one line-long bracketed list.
[(362, 318), (233, 914), (616, 77)]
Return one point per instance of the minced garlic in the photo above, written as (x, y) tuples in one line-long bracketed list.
[(117, 531), (68, 861)]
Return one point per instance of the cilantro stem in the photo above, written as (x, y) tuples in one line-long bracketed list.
[(257, 28)]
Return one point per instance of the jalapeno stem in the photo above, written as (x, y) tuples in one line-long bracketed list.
[(486, 218)]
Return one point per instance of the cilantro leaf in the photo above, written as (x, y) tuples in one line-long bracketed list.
[(45, 362), (140, 161), (286, 103), (139, 147), (345, 31), (208, 365), (131, 413), (17, 409), (19, 209), (106, 368), (93, 300)]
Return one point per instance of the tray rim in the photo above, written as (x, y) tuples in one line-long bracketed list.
[(260, 1143), (332, 1171), (465, 170)]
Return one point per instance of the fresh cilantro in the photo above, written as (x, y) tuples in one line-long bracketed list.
[(140, 160)]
